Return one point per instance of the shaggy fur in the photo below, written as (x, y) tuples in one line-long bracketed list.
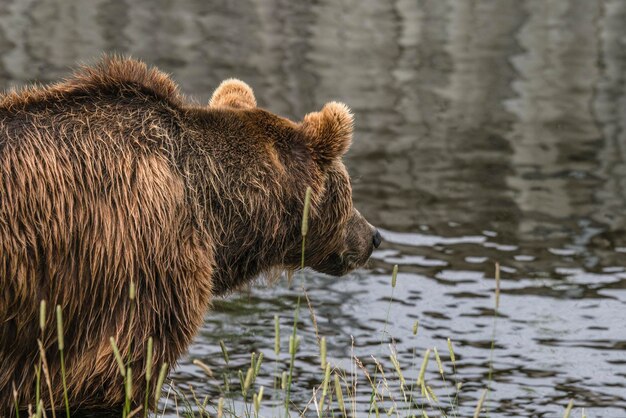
[(112, 176)]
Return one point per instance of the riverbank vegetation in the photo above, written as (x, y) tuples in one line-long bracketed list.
[(373, 387)]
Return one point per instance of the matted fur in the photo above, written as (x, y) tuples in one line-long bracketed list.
[(112, 176)]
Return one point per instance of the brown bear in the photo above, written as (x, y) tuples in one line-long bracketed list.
[(112, 176)]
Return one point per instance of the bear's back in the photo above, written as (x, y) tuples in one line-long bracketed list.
[(116, 101), (110, 76), (90, 200)]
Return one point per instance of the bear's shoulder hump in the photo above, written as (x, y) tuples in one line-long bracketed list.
[(115, 72), (110, 75)]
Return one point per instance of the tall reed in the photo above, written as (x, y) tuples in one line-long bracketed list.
[(294, 337), (61, 344)]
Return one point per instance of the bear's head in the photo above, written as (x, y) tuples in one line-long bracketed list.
[(339, 238)]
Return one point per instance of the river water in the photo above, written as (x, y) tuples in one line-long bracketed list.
[(485, 132)]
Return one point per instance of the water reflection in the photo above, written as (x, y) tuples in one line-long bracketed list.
[(486, 131)]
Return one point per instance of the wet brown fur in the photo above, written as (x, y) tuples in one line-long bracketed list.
[(112, 176)]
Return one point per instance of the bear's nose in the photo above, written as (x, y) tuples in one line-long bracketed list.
[(377, 239)]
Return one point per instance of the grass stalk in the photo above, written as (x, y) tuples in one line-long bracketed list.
[(331, 386), (443, 378), (394, 276), (324, 389), (61, 344), (132, 295), (42, 327), (410, 401), (568, 409), (493, 334), (148, 376), (457, 384), (224, 351), (276, 377), (339, 394), (159, 385), (17, 406), (479, 405), (128, 391), (220, 408), (118, 357), (304, 231), (45, 370)]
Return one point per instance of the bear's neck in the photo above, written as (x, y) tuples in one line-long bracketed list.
[(243, 200)]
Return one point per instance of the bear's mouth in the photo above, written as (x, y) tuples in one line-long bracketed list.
[(341, 264), (352, 261)]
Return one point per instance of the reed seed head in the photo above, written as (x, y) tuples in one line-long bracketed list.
[(323, 352), (159, 385), (283, 381), (42, 315), (276, 335), (479, 405), (129, 383), (258, 397), (396, 365), (420, 379), (497, 285), (118, 357), (257, 367), (305, 212), (205, 368), (294, 343), (432, 393), (339, 394), (248, 380), (132, 290), (326, 380), (394, 276), (224, 351), (149, 360), (220, 408), (568, 410), (439, 364), (451, 350), (60, 328)]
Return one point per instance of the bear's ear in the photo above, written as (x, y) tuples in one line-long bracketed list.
[(233, 93), (329, 131)]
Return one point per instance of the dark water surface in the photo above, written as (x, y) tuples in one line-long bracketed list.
[(485, 131)]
